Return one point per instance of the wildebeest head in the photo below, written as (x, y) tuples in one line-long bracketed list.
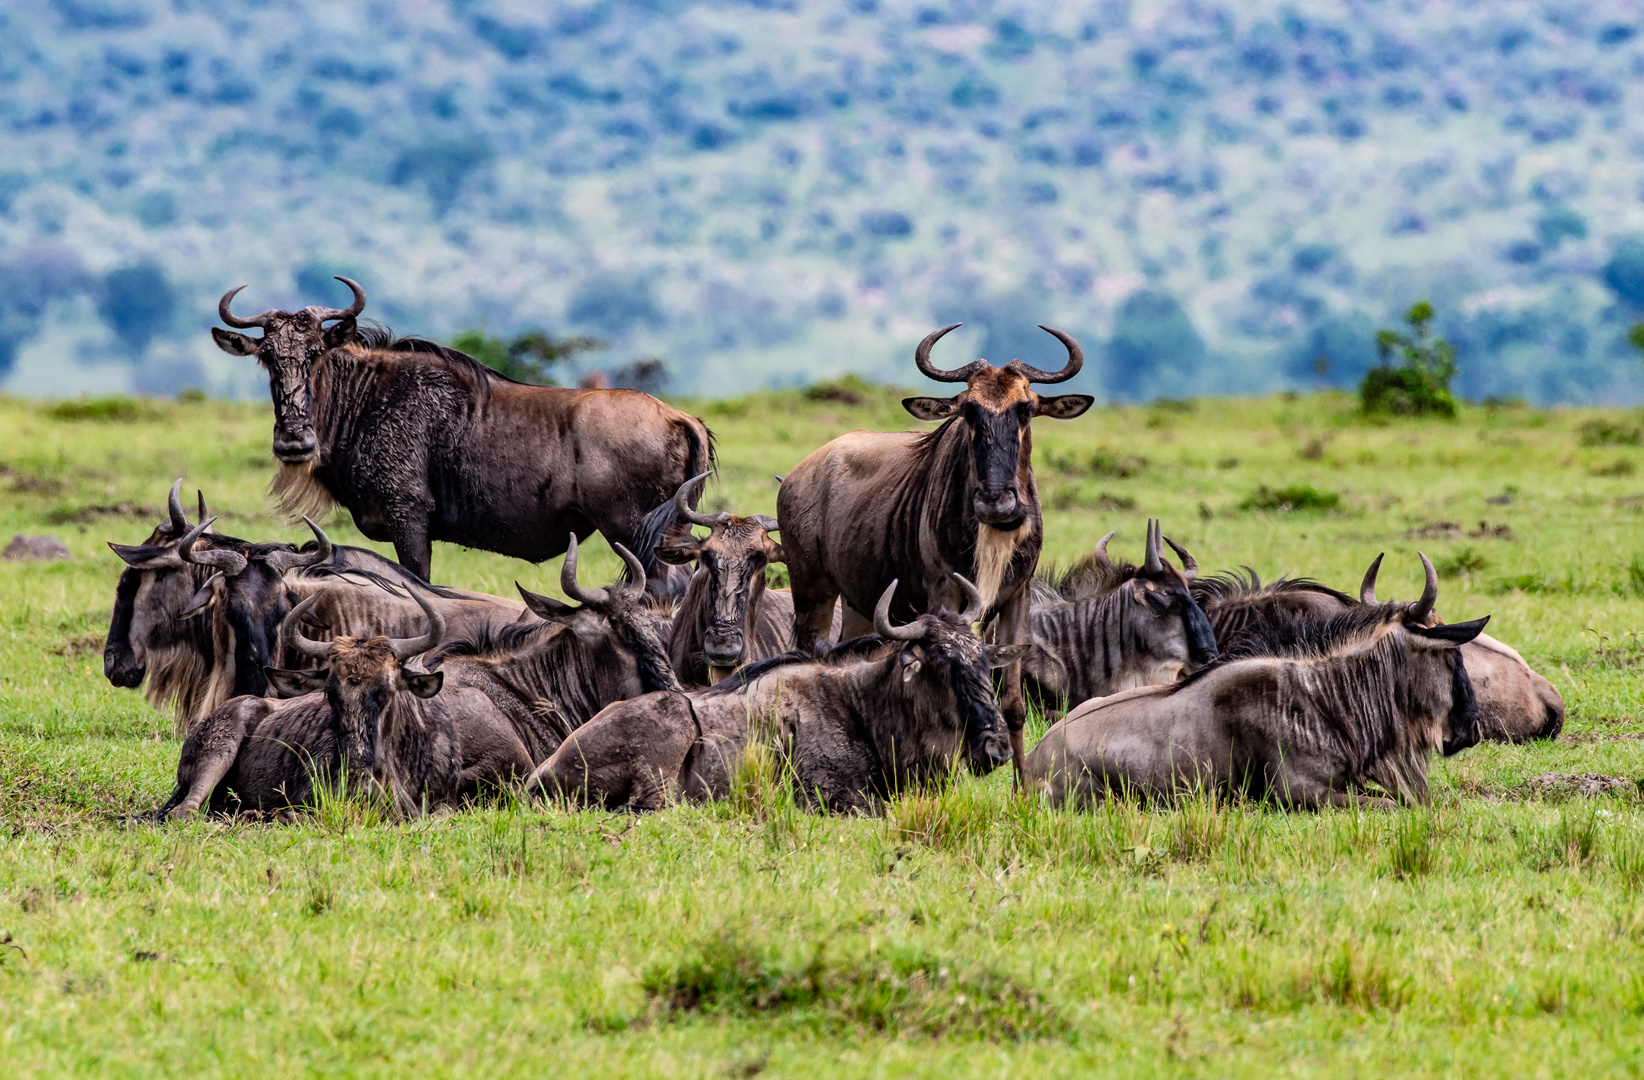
[(291, 343), (946, 683), (997, 406), (1167, 593), (732, 560), (620, 611), (363, 677)]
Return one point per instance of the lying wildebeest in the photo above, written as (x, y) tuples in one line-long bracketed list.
[(364, 717), (873, 717), (423, 443), (1515, 703), (1141, 628), (870, 507), (1365, 697), (547, 677)]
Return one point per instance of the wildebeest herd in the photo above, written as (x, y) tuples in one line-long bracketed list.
[(916, 632)]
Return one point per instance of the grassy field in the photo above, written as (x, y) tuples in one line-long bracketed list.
[(1498, 932)]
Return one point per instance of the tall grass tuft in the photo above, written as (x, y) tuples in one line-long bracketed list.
[(1411, 853), (1577, 837), (338, 808), (1356, 979), (1627, 856), (764, 788), (1198, 828)]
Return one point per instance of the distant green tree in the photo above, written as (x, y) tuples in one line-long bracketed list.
[(528, 357), (1636, 336), (1420, 384)]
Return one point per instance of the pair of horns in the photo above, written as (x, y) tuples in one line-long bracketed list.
[(1075, 360), (881, 612), (683, 511), (1153, 561), (1422, 609), (403, 648), (174, 506), (262, 320), (631, 591), (232, 563)]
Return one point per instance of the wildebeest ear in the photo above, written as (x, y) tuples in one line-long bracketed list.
[(294, 683), (203, 597), (910, 663), (776, 554), (931, 408), (1159, 601), (545, 606), (147, 556), (1006, 655), (1456, 633), (339, 333), (1065, 407), (234, 344), (676, 554), (424, 684)]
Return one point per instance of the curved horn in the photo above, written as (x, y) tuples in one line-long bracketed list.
[(1075, 360), (766, 522), (230, 319), (682, 504), (406, 648), (352, 310), (568, 579), (1190, 565), (199, 497), (291, 634), (1100, 554), (921, 357), (174, 507), (1367, 587), (881, 619), (1151, 562), (281, 561), (230, 563), (1423, 608), (973, 600), (636, 574)]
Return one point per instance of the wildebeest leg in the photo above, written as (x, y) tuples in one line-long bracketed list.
[(209, 752), (813, 613), (852, 623), (411, 545), (492, 754), (1011, 628), (629, 754)]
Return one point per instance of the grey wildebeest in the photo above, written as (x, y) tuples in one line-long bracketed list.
[(873, 717), (366, 717), (870, 507), (1141, 627), (1515, 702), (1362, 698), (548, 676), (422, 443)]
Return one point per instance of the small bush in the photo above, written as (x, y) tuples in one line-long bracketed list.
[(114, 409), (1420, 384), (846, 390), (192, 396), (1618, 467), (1461, 563), (1294, 497), (1603, 432), (1114, 465), (1635, 576)]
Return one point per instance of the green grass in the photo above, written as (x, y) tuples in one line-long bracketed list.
[(1497, 932)]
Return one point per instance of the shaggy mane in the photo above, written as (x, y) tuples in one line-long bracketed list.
[(1245, 583), (867, 647), (1085, 579)]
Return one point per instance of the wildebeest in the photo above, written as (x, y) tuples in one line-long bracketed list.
[(366, 717), (874, 717), (870, 507), (548, 676), (1142, 627), (1365, 698), (1515, 703), (422, 443)]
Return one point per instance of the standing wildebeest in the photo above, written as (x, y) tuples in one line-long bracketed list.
[(1143, 627), (1365, 697), (547, 677), (872, 718), (870, 507), (366, 717), (1515, 703), (423, 443)]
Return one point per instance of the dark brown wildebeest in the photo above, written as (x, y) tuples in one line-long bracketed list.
[(1515, 703), (874, 717), (1364, 697), (1142, 628), (870, 507), (366, 718), (423, 443), (550, 675)]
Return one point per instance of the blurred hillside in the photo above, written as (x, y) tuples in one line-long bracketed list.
[(1213, 196)]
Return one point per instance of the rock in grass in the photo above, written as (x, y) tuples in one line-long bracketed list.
[(30, 548), (1588, 784)]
